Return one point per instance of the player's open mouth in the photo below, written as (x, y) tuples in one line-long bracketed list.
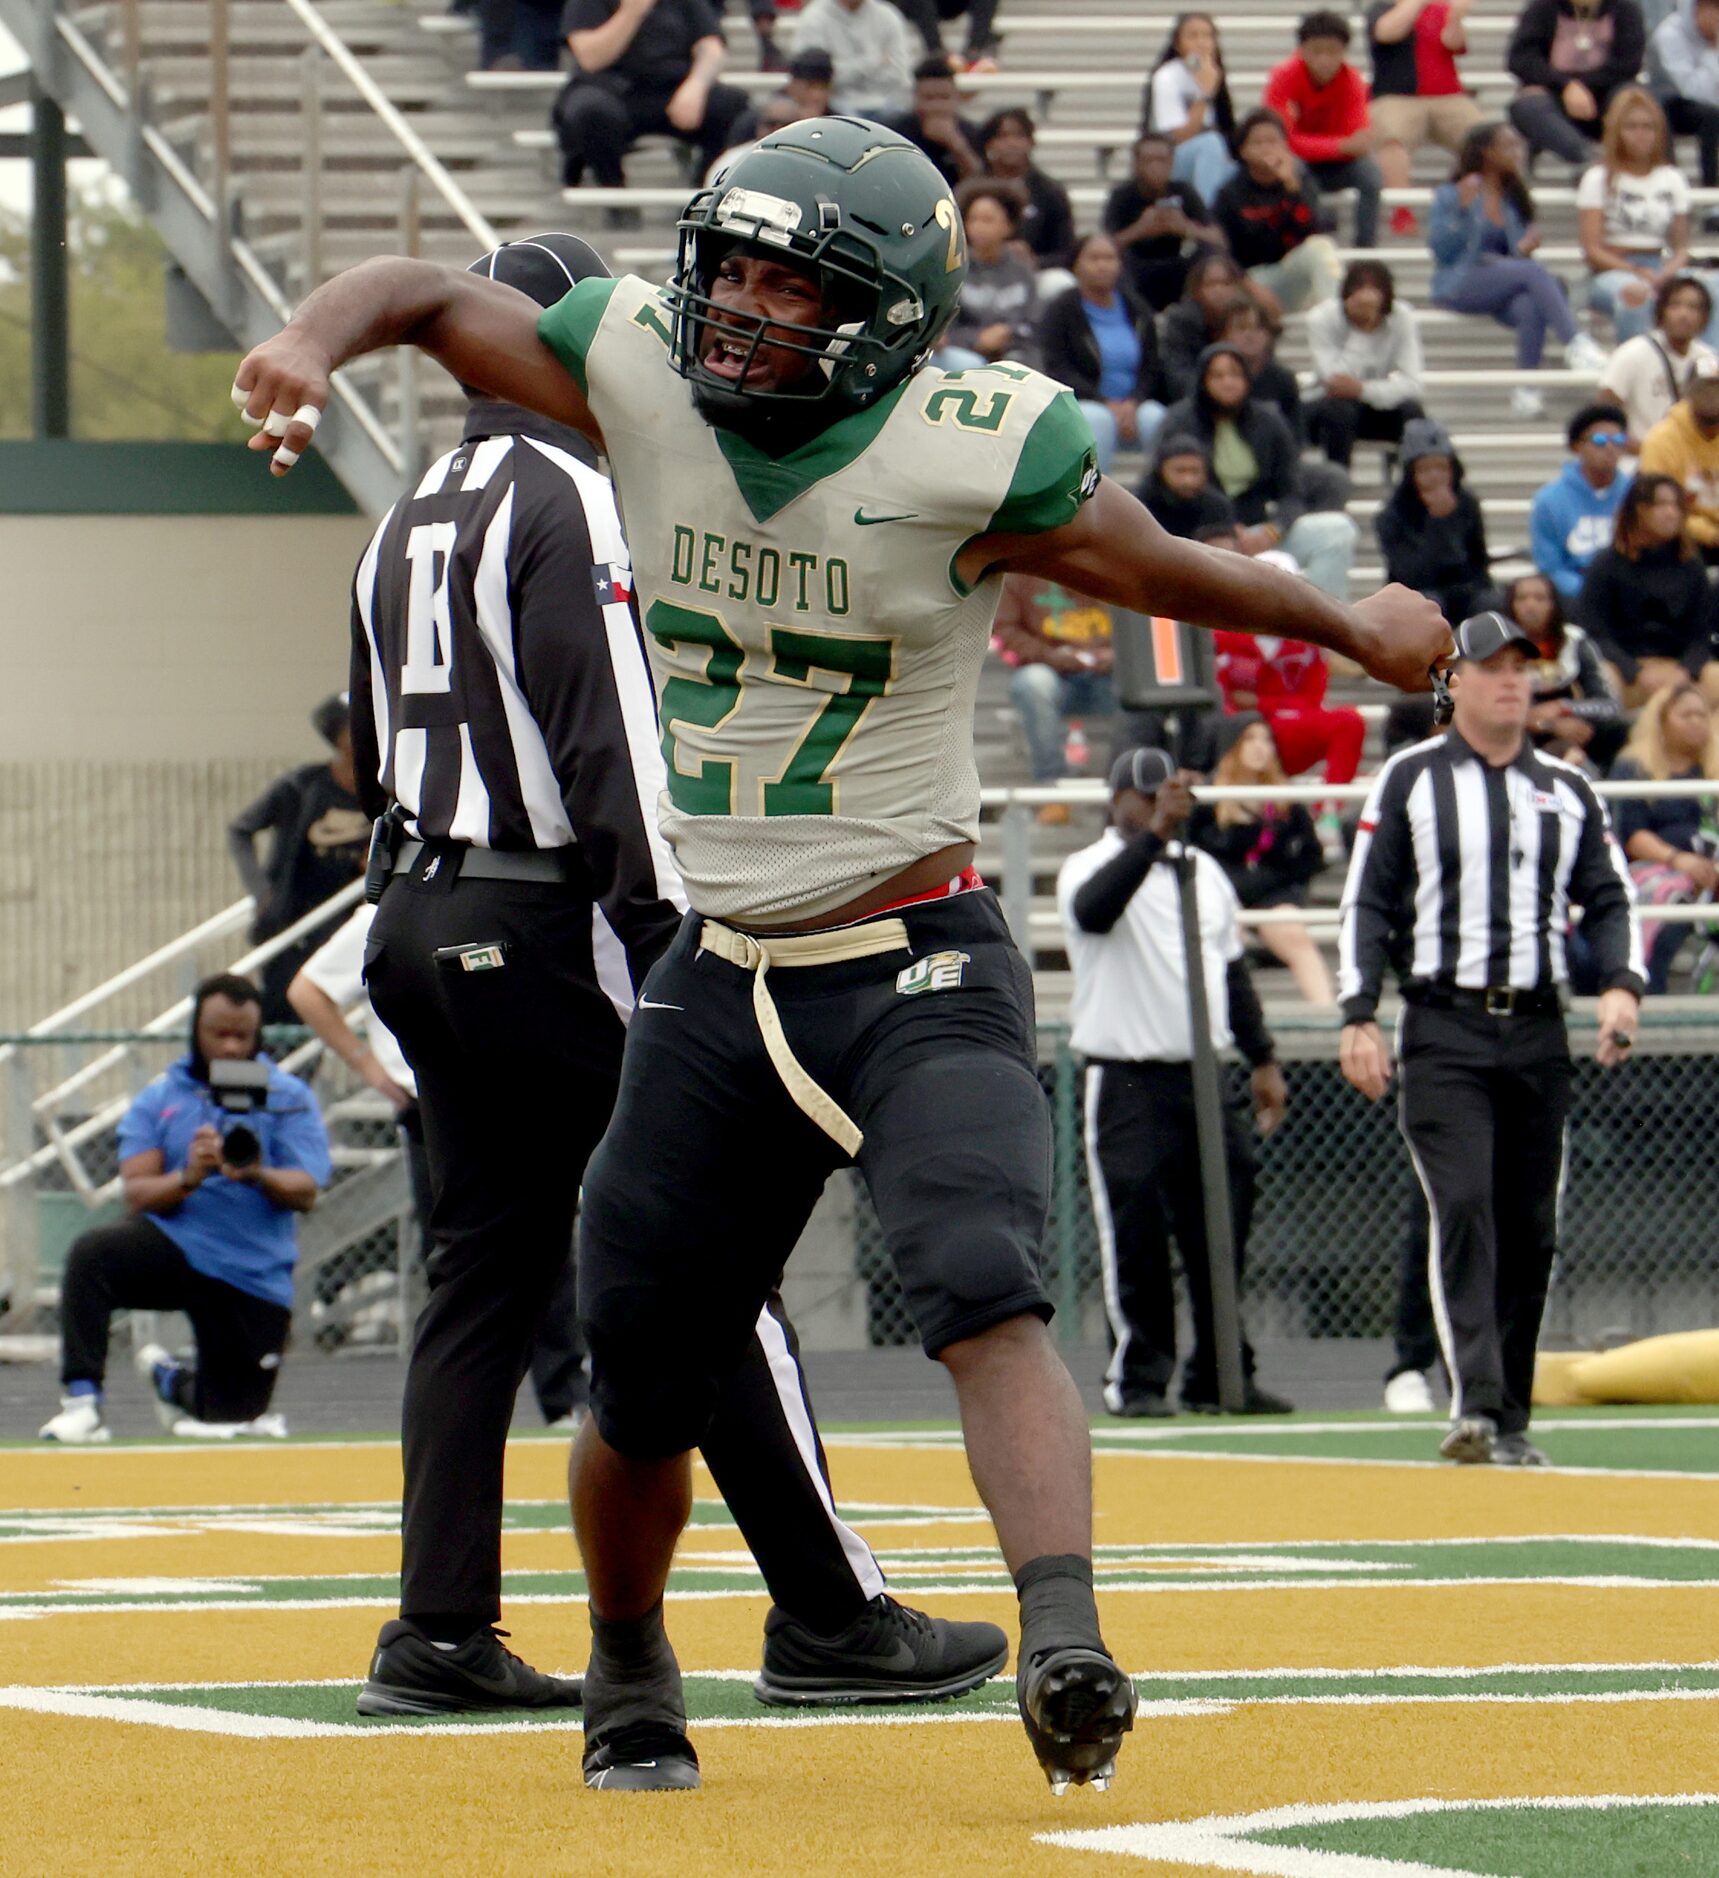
[(727, 358)]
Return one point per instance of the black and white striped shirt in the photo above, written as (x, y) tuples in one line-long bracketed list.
[(500, 690), (1463, 876)]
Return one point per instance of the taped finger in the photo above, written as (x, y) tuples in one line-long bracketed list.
[(277, 423), (241, 402), (284, 458), (309, 416)]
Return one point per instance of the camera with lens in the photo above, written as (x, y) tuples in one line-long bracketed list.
[(239, 1088)]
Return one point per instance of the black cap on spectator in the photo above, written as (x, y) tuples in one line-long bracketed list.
[(1590, 415), (814, 66), (544, 267), (1482, 634), (1145, 770)]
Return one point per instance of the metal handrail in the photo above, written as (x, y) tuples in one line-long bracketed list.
[(1090, 790), (177, 1012), (426, 160), (213, 211)]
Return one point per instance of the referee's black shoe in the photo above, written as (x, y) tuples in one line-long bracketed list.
[(889, 1653), (1077, 1705), (411, 1674)]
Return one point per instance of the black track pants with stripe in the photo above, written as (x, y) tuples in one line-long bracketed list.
[(1143, 1161), (1483, 1105)]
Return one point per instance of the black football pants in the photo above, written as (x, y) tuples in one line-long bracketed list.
[(134, 1266), (1483, 1103), (517, 1069)]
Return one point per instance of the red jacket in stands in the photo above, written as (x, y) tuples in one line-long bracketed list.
[(1319, 117), (1282, 674)]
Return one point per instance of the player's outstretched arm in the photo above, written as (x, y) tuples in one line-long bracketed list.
[(1114, 551), (483, 332)]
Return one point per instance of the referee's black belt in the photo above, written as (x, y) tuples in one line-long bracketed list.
[(1494, 1000), (550, 866)]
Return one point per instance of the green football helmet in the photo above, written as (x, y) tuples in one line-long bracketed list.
[(864, 208)]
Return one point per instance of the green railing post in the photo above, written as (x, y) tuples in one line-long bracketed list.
[(1067, 1137)]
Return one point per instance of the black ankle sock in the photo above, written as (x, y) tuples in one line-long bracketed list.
[(632, 1677), (446, 1626), (1057, 1605), (630, 1644)]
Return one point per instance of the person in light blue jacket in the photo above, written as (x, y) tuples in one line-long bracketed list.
[(1483, 236), (1683, 70), (1574, 516)]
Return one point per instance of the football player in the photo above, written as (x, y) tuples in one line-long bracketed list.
[(820, 523)]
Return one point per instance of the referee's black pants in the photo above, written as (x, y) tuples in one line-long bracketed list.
[(1483, 1102), (1143, 1157), (517, 1070)]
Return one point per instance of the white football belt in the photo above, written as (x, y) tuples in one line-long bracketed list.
[(802, 948)]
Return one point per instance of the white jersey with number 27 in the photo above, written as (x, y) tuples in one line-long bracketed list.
[(815, 652)]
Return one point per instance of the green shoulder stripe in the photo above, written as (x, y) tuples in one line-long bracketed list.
[(568, 327), (1057, 471)]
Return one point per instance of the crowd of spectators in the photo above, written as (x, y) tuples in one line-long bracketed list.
[(1164, 321)]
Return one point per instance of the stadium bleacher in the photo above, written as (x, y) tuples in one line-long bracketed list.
[(1081, 71)]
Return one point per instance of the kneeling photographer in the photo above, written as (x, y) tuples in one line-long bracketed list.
[(216, 1155)]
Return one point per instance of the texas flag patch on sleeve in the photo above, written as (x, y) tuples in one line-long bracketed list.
[(611, 582)]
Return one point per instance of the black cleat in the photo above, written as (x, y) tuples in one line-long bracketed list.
[(1142, 1405), (1518, 1451), (648, 1757), (411, 1675), (1470, 1441), (889, 1653), (1077, 1705)]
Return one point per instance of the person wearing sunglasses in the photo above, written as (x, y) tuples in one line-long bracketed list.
[(1575, 515)]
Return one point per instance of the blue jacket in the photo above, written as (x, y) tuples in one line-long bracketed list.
[(1455, 235), (229, 1229), (1569, 522)]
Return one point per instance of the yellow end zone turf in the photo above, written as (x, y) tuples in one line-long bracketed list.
[(1311, 1633)]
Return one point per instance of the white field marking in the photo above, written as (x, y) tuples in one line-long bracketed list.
[(107, 1707), (999, 1583), (1323, 1673), (1222, 1842), (1193, 1431), (1451, 1671)]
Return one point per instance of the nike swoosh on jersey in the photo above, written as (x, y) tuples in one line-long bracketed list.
[(871, 521), (652, 1004)]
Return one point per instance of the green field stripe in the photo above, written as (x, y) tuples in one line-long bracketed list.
[(726, 1697), (1565, 1559), (1529, 1841)]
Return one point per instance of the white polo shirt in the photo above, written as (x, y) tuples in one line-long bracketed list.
[(1131, 983), (337, 968)]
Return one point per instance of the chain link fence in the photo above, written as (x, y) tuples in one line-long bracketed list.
[(1336, 1198)]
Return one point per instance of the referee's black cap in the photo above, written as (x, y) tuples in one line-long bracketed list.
[(1482, 634), (543, 266), (1144, 770)]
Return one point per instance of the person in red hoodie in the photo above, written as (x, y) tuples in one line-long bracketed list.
[(1323, 100), (1285, 682)]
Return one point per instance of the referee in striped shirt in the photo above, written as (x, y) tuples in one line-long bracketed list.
[(1473, 847), (501, 701)]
